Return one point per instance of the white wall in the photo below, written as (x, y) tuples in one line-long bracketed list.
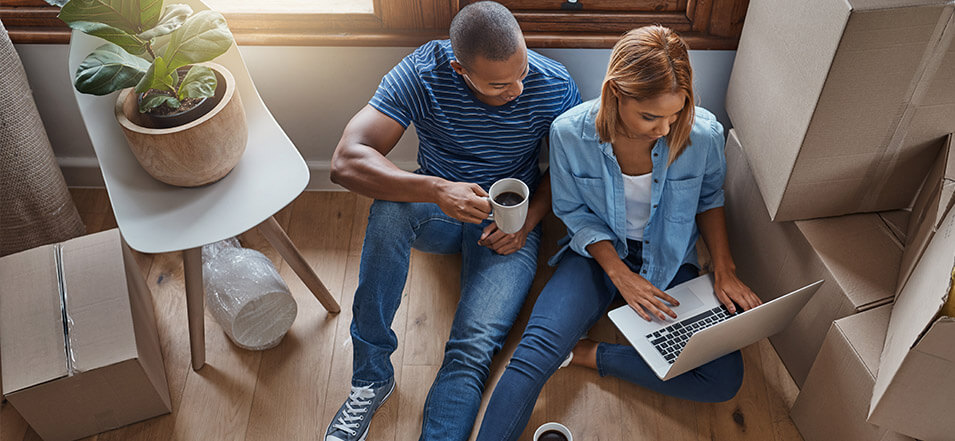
[(313, 92)]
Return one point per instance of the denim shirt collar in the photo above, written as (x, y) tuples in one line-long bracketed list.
[(589, 130)]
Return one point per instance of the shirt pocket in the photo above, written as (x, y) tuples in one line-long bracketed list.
[(594, 193), (680, 198)]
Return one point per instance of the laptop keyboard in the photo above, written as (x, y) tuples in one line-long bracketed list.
[(670, 341)]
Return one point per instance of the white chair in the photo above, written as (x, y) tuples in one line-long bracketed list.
[(154, 217)]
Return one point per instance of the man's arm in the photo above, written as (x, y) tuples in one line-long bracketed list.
[(359, 164)]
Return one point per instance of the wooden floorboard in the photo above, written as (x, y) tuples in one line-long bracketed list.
[(289, 401), (291, 392), (12, 426)]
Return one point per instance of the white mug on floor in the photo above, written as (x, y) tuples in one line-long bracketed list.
[(509, 217), (553, 427)]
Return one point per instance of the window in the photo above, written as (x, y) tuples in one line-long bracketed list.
[(706, 24), (294, 6)]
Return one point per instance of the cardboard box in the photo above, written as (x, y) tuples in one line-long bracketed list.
[(840, 104), (915, 390), (94, 365), (857, 256), (934, 201), (897, 221), (834, 402)]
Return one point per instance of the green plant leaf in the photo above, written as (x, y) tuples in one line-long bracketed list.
[(107, 69), (153, 101), (159, 44), (202, 37), (200, 82), (159, 77), (172, 18), (131, 43), (132, 16)]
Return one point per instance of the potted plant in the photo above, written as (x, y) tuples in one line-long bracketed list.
[(180, 113)]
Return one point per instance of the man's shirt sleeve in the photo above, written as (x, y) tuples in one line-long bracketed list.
[(399, 94)]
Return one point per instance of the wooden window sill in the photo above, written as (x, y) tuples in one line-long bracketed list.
[(46, 35)]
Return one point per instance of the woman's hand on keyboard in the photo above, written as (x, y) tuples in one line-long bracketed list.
[(642, 296), (729, 290)]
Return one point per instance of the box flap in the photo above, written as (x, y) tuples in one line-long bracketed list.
[(938, 341), (897, 221), (32, 343), (865, 334), (918, 303), (97, 301), (934, 201), (860, 252), (865, 5)]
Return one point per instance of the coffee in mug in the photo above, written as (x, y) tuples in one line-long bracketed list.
[(553, 432), (508, 198), (552, 435)]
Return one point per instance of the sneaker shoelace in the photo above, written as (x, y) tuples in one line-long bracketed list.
[(355, 409)]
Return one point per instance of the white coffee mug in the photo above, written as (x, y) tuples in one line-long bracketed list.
[(557, 427), (509, 218)]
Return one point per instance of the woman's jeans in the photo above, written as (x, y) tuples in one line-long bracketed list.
[(576, 296), (493, 289)]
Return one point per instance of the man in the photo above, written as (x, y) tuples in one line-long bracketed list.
[(481, 103)]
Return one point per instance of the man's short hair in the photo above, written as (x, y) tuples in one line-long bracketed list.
[(486, 29)]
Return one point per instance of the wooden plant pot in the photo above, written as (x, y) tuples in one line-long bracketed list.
[(193, 154)]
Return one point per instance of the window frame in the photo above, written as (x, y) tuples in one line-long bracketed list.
[(705, 24)]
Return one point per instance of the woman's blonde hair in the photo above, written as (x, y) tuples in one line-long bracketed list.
[(645, 63)]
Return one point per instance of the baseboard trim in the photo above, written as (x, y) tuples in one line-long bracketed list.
[(81, 171)]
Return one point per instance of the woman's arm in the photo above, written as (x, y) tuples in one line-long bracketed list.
[(584, 226), (727, 286), (639, 293)]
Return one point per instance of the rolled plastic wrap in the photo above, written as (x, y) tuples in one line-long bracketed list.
[(246, 295)]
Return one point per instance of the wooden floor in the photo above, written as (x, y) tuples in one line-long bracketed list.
[(291, 391)]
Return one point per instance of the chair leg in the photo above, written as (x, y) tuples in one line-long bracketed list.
[(276, 236), (192, 265)]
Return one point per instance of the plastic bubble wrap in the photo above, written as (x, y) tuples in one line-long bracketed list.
[(246, 295)]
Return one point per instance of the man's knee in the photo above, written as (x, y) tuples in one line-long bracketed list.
[(389, 225), (474, 352), (389, 212)]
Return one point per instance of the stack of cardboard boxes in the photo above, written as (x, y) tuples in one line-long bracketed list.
[(840, 167)]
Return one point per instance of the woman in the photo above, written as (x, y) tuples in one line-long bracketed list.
[(637, 175)]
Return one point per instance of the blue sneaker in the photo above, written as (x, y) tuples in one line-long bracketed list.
[(353, 418)]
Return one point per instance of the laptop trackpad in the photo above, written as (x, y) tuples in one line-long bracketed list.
[(688, 303)]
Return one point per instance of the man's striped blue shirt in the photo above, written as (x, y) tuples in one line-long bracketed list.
[(463, 139)]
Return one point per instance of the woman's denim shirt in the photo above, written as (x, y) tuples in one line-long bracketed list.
[(587, 187)]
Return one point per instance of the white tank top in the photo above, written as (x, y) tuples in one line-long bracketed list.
[(636, 190)]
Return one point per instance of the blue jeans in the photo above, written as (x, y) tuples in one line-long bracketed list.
[(493, 289), (574, 298)]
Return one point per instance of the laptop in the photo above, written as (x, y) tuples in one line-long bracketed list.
[(704, 329)]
